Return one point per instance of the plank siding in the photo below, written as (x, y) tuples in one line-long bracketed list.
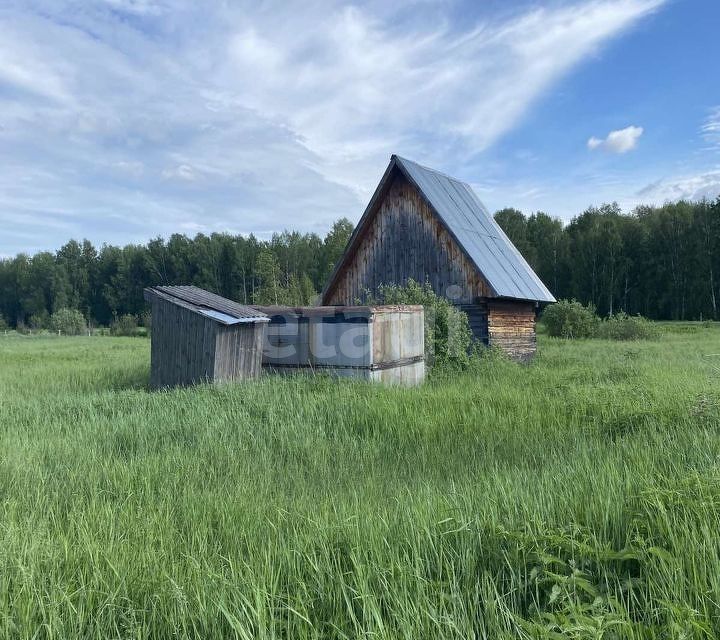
[(188, 348), (406, 241)]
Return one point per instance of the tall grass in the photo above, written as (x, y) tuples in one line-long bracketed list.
[(576, 497)]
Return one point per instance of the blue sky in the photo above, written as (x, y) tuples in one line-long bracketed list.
[(122, 120)]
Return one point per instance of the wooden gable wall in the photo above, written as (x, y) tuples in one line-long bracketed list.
[(404, 239)]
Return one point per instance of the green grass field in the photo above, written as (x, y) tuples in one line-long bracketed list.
[(578, 497)]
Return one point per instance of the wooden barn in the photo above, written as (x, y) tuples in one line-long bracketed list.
[(198, 336), (424, 225)]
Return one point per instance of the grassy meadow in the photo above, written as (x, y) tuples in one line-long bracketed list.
[(578, 497)]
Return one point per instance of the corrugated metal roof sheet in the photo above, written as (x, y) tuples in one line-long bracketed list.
[(208, 304), (475, 230)]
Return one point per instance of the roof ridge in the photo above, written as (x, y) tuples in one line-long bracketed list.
[(431, 170)]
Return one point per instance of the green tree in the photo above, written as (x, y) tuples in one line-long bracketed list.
[(269, 291), (515, 225), (333, 248)]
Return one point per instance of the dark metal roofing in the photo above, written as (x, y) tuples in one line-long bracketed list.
[(475, 230), (207, 304)]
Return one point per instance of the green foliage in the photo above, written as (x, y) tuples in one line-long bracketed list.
[(504, 502), (107, 283), (3, 323), (661, 262), (69, 322), (334, 246), (40, 321), (448, 339), (269, 291), (125, 325), (146, 320), (22, 329), (570, 319), (624, 327)]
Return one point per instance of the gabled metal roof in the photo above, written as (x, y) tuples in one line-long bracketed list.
[(207, 304), (475, 230), (469, 223)]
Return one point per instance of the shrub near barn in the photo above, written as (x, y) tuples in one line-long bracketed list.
[(571, 319)]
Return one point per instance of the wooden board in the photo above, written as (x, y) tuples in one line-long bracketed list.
[(405, 240)]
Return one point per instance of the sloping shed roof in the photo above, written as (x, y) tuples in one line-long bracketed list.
[(470, 224), (207, 304)]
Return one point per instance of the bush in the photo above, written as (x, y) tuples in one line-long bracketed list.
[(69, 322), (125, 325), (570, 319), (448, 339), (146, 320), (621, 326), (22, 328), (3, 323), (40, 321)]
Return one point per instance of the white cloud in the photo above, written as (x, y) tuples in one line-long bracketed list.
[(619, 141), (137, 7), (258, 117), (710, 129), (181, 172), (686, 187)]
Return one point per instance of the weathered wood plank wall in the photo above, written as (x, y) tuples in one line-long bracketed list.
[(405, 240), (238, 352), (183, 346), (188, 348)]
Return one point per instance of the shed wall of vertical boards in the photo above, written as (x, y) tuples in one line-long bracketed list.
[(183, 346), (188, 348)]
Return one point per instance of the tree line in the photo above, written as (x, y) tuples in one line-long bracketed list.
[(662, 262), (107, 283)]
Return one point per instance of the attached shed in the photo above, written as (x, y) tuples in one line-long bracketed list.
[(198, 336), (424, 225)]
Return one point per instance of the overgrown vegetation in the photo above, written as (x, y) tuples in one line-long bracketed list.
[(69, 322), (448, 339), (571, 319), (577, 497), (125, 325), (621, 326)]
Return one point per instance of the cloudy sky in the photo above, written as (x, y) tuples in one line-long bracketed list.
[(122, 120)]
